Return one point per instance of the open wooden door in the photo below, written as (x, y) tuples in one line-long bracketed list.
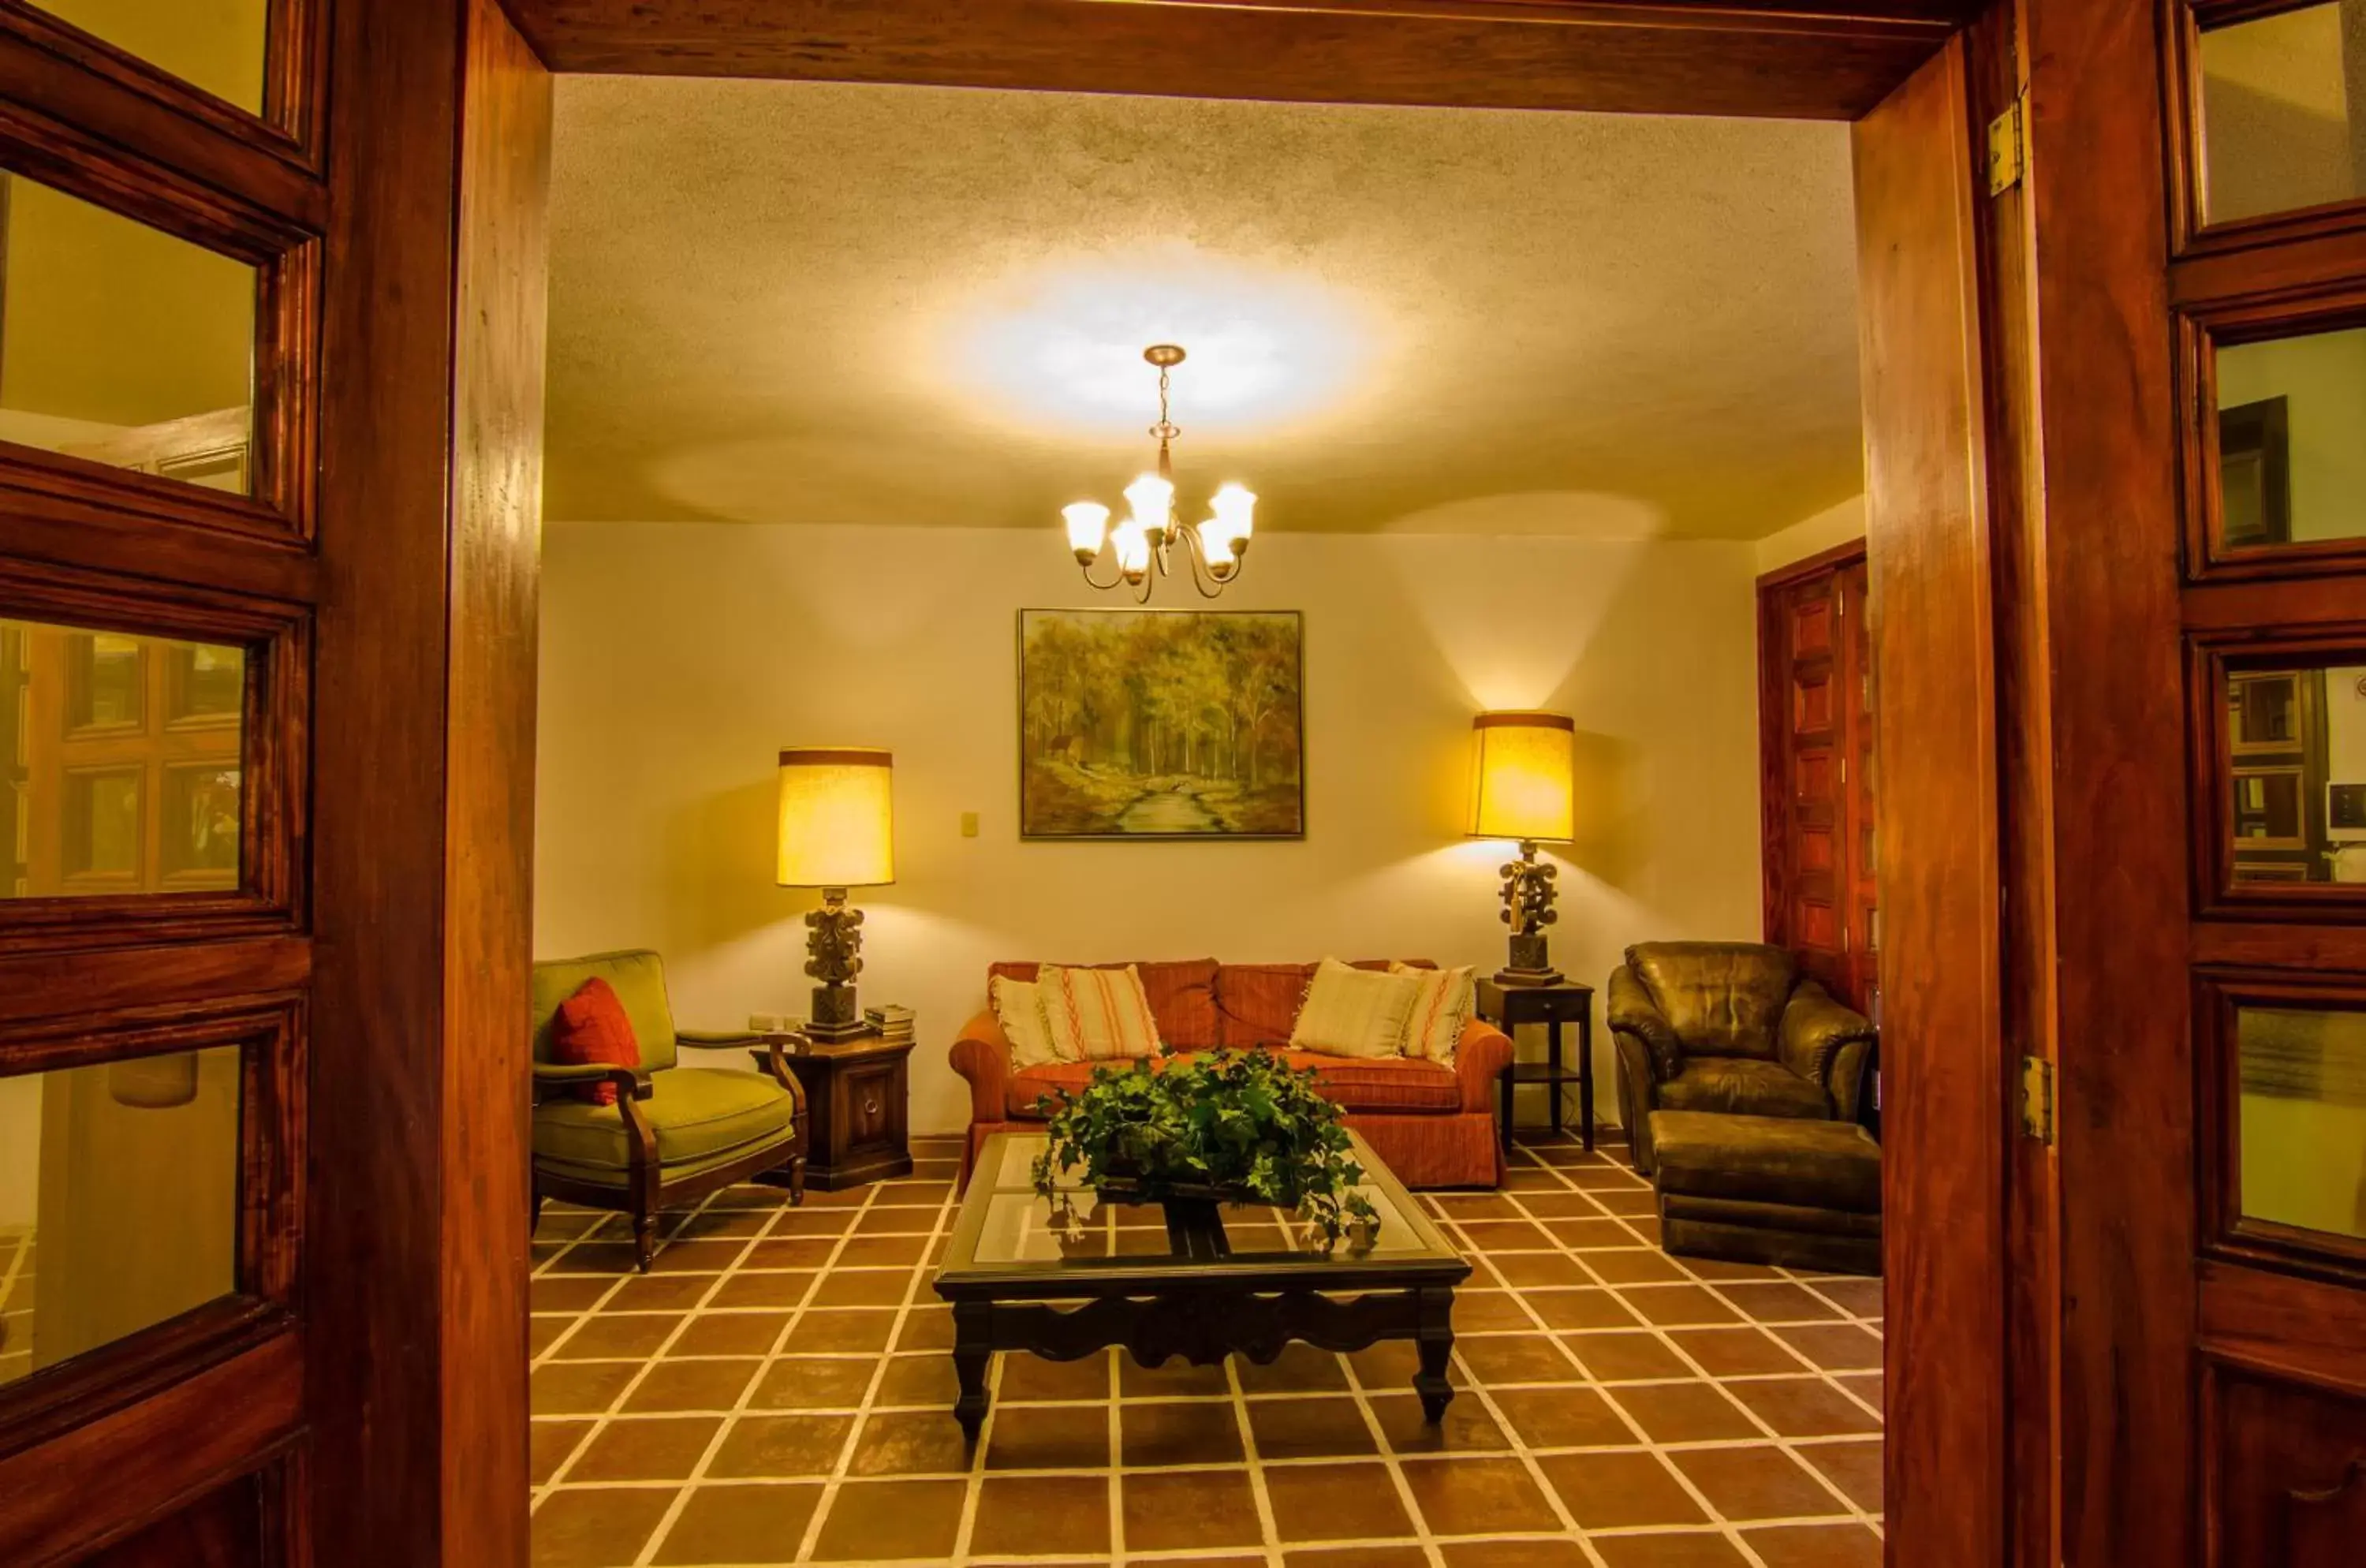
[(2186, 258), (270, 362)]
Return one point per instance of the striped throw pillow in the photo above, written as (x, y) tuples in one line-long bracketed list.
[(1354, 1013), (1442, 1012), (1019, 1008), (1097, 1015)]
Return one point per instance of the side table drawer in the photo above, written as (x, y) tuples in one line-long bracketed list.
[(873, 1104)]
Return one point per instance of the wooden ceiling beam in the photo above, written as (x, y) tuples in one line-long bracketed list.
[(1768, 58)]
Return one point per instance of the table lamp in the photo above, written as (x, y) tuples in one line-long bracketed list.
[(1520, 789), (837, 832)]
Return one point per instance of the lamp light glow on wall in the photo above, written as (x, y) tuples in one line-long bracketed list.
[(1522, 765), (836, 831)]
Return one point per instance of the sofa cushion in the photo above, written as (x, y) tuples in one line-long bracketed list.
[(699, 1113), (1097, 1015), (1182, 995), (1743, 1085), (1018, 1007), (1257, 1003), (1382, 1083), (1394, 1083), (1449, 1001), (1354, 1013), (1767, 1159), (1723, 999)]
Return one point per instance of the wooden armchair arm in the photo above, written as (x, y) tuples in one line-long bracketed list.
[(776, 1068), (632, 1088)]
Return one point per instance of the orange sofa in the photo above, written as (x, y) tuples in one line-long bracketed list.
[(1434, 1126)]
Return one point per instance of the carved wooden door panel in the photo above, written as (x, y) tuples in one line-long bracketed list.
[(2201, 376), (1816, 772)]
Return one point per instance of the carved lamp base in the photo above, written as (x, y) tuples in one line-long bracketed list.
[(1527, 909), (1529, 964), (834, 958)]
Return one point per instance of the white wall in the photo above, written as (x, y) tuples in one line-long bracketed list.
[(676, 660)]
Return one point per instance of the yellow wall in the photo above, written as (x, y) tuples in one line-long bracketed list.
[(108, 321), (213, 44), (678, 659)]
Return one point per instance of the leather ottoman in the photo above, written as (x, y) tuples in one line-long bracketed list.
[(1777, 1190)]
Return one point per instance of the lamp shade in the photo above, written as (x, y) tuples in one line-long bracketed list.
[(838, 817), (1520, 777)]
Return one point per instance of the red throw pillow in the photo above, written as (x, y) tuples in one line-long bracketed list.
[(592, 1027)]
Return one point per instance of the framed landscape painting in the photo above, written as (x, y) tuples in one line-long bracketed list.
[(1160, 724)]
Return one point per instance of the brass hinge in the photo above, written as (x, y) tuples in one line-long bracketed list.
[(2008, 146), (2037, 1099)]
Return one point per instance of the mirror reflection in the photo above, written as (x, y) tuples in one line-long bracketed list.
[(2303, 1118), (2292, 439), (2297, 769)]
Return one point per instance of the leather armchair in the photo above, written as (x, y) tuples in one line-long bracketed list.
[(1732, 1028), (675, 1133)]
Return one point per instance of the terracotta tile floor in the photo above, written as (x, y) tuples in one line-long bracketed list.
[(778, 1390)]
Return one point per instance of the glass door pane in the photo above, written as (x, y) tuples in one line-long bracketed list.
[(2292, 439), (2303, 1074), (2284, 112)]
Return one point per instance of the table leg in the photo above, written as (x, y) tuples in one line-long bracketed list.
[(973, 1354), (1553, 1057), (1585, 1073), (1506, 1116), (1435, 1339)]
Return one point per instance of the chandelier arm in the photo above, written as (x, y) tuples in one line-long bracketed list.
[(1087, 570), (1149, 581)]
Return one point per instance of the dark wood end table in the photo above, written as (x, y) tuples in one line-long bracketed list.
[(1568, 1001), (857, 1097), (1198, 1280)]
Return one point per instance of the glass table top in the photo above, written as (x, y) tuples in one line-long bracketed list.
[(1003, 1225)]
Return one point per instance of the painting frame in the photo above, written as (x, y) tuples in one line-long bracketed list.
[(1261, 812)]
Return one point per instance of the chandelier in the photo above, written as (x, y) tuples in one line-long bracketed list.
[(1147, 537)]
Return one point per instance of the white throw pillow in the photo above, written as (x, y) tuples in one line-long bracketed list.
[(1097, 1015), (1449, 998), (1354, 1013), (1019, 1008)]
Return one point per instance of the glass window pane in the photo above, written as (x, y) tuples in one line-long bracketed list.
[(123, 344), (2292, 439), (119, 1200), (2303, 1118), (2284, 112), (124, 762), (215, 45)]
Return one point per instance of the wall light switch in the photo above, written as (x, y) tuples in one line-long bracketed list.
[(969, 824)]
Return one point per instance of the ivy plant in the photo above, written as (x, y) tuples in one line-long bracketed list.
[(1237, 1126)]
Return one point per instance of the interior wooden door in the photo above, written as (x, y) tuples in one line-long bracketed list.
[(1816, 775), (2194, 606), (270, 362)]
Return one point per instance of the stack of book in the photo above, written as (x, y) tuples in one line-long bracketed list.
[(892, 1022)]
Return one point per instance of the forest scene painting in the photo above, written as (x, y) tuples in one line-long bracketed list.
[(1159, 724)]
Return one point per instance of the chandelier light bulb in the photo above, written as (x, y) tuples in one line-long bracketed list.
[(1141, 540), (1087, 528)]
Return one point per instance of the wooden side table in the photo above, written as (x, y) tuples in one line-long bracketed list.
[(857, 1093), (1570, 1001)]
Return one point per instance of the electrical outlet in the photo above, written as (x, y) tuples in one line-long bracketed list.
[(969, 824), (764, 1022)]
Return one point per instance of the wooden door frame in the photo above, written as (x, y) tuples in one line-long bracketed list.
[(1930, 418)]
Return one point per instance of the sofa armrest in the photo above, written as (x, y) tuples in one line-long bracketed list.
[(1480, 1058), (1814, 1029), (1631, 1013), (982, 1055), (1638, 1095)]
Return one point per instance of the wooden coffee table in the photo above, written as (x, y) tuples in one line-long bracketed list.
[(1198, 1280)]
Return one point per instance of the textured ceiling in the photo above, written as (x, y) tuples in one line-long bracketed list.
[(824, 303)]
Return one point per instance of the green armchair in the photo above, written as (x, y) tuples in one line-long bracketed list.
[(1732, 1028), (675, 1133)]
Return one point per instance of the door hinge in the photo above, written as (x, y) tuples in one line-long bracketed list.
[(2008, 146), (2037, 1099)]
